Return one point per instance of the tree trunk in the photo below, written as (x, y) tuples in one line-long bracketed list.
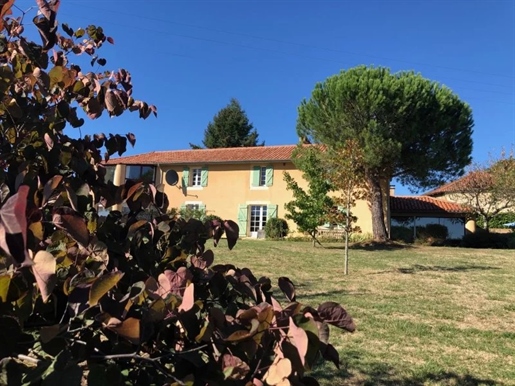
[(376, 207), (486, 221)]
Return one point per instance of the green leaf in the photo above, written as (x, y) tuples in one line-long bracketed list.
[(56, 75), (79, 33), (102, 285), (5, 281)]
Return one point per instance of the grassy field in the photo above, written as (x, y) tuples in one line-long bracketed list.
[(424, 315)]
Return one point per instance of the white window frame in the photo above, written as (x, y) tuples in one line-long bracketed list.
[(195, 179)]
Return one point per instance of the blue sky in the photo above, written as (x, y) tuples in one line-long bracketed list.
[(190, 57)]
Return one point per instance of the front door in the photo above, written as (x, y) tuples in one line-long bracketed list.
[(257, 219)]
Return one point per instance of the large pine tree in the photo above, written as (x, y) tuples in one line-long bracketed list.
[(230, 128)]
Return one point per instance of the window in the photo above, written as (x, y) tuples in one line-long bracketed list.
[(109, 173), (262, 176), (140, 173), (193, 206), (252, 218), (196, 177), (257, 218)]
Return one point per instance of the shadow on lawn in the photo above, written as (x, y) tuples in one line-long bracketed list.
[(373, 246), (383, 374), (439, 268)]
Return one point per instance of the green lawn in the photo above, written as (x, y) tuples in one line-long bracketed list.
[(424, 315)]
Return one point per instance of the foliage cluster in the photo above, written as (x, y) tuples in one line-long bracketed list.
[(276, 228), (407, 127), (129, 298), (498, 220), (230, 127), (310, 207)]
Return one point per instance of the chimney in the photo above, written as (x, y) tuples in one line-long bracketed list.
[(392, 190)]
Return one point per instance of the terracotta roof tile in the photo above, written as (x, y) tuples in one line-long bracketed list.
[(451, 187), (221, 155), (423, 204)]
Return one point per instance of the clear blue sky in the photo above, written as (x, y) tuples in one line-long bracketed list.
[(190, 57)]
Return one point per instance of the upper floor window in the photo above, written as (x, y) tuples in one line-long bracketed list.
[(196, 177), (143, 173), (262, 176)]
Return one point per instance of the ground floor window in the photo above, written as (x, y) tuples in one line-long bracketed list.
[(252, 218), (257, 217)]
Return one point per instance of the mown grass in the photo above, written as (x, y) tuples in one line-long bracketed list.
[(424, 315)]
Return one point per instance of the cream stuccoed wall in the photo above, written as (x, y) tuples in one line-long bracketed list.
[(229, 186)]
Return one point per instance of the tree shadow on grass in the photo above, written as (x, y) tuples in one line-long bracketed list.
[(370, 374), (373, 246), (439, 268)]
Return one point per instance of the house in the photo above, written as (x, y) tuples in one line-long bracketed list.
[(415, 211), (246, 184)]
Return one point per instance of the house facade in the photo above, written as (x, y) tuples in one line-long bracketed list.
[(244, 184)]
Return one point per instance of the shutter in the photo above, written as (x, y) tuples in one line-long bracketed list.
[(271, 211), (242, 219), (203, 176), (269, 175), (186, 176), (254, 178), (202, 208), (183, 208)]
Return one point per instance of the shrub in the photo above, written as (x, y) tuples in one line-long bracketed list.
[(489, 240), (432, 234), (401, 233), (132, 298), (499, 220), (276, 228)]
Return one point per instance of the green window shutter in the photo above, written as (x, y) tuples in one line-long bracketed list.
[(242, 219), (183, 208), (203, 176), (269, 175), (254, 178), (186, 176), (271, 211), (202, 207)]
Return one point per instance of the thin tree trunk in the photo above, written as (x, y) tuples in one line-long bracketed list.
[(486, 221), (376, 207)]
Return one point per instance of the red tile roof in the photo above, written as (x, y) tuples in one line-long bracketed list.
[(423, 204), (451, 187), (221, 155)]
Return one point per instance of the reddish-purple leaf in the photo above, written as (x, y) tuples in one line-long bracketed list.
[(50, 186), (72, 223), (232, 231), (335, 314), (110, 39), (299, 339), (49, 141), (188, 299), (329, 353), (13, 226), (287, 287), (203, 261), (218, 231), (132, 139)]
